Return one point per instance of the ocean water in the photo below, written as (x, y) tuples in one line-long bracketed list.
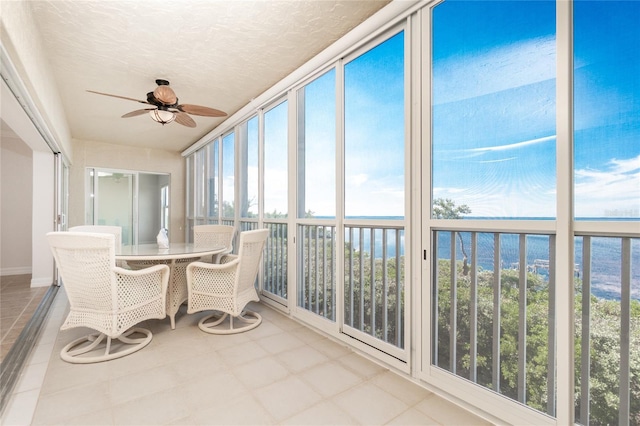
[(606, 258), (606, 254)]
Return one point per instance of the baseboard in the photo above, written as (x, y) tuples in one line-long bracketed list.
[(41, 282), (18, 270)]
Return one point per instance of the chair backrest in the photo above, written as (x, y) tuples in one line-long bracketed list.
[(250, 254), (102, 229), (213, 235), (85, 261)]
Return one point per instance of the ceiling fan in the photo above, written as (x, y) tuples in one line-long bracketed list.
[(166, 108)]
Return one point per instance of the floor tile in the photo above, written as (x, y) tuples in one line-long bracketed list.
[(215, 390), (72, 402), (330, 378), (324, 413), (302, 358), (152, 409), (243, 410), (447, 413), (361, 366), (261, 372), (287, 397), (400, 387), (413, 417), (279, 373), (242, 353), (132, 386), (281, 342), (358, 402)]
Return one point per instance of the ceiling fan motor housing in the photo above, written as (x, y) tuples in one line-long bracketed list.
[(165, 95)]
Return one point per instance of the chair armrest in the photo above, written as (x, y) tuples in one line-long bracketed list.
[(227, 258), (133, 272), (228, 266), (146, 283), (211, 278)]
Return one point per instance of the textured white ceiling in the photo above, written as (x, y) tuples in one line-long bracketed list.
[(215, 53)]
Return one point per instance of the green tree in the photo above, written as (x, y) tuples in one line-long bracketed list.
[(604, 345), (445, 208)]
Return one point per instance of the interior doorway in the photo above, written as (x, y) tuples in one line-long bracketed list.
[(136, 201)]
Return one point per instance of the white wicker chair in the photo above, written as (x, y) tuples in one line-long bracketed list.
[(214, 235), (102, 229), (228, 287), (104, 297)]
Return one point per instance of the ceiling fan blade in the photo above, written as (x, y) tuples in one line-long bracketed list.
[(184, 119), (201, 110), (137, 112), (120, 97)]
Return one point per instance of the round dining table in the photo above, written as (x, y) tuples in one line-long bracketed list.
[(177, 256)]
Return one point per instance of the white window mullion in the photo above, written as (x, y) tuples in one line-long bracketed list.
[(339, 247), (413, 199), (564, 317), (292, 209)]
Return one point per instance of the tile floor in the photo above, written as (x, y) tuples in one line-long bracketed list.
[(279, 373), (18, 302)]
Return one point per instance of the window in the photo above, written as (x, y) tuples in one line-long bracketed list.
[(248, 140), (374, 189), (374, 137), (212, 179), (493, 100), (275, 162), (200, 195), (228, 176), (607, 190), (317, 147), (316, 144), (493, 156), (607, 110)]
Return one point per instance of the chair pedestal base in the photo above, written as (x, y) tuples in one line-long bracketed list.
[(100, 347), (250, 318)]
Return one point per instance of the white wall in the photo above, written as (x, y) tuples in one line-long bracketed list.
[(42, 216), (16, 186)]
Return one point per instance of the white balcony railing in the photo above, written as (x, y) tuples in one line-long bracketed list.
[(494, 321)]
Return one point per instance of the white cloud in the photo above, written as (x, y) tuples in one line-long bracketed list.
[(512, 145), (615, 188), (358, 180), (504, 67)]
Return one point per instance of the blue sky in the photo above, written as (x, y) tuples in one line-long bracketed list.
[(494, 116), (494, 107)]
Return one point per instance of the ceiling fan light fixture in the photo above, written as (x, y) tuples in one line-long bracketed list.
[(162, 116)]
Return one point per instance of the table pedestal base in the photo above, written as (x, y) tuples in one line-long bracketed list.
[(177, 288)]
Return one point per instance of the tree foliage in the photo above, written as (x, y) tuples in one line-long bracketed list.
[(604, 344), (445, 208)]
